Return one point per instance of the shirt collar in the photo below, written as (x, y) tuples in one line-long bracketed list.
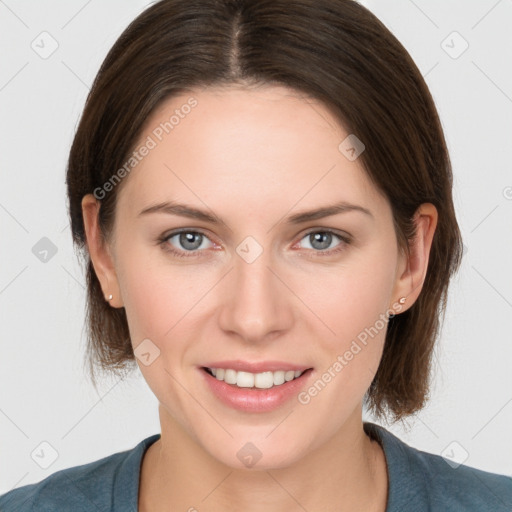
[(126, 485), (406, 486)]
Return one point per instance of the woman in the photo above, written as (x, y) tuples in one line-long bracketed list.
[(262, 191)]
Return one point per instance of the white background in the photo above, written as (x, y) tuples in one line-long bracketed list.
[(44, 393)]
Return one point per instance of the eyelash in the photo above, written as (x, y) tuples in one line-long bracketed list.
[(163, 241)]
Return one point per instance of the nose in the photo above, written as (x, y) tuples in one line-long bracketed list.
[(257, 305)]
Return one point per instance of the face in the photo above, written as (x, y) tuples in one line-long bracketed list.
[(256, 287)]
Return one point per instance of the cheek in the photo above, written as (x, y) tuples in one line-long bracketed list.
[(349, 358), (352, 309), (160, 301), (158, 296), (350, 300)]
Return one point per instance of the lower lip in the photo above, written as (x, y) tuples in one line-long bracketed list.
[(254, 399)]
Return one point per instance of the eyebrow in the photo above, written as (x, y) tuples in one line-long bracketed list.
[(183, 210)]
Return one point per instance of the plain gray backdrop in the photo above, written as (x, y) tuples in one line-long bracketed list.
[(50, 415)]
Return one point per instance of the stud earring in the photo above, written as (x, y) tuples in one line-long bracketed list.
[(109, 297), (402, 300)]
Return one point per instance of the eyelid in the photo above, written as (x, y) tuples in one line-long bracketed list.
[(342, 234), (345, 238), (166, 236)]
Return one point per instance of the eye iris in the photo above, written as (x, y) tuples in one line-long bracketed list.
[(188, 237), (191, 241), (327, 237)]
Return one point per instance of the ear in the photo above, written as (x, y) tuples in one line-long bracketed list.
[(413, 269), (99, 251)]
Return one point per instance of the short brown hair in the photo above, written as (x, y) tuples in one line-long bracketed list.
[(335, 51)]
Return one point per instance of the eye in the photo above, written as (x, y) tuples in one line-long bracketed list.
[(320, 241), (190, 243), (186, 241)]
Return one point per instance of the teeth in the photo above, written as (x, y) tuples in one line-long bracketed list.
[(264, 380), (243, 379), (230, 376)]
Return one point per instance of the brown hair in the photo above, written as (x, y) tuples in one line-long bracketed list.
[(336, 51)]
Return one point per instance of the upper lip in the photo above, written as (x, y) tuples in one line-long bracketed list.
[(256, 366)]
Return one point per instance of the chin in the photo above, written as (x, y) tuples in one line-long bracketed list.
[(254, 453)]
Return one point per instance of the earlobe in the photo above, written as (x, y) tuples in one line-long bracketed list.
[(99, 252), (411, 280)]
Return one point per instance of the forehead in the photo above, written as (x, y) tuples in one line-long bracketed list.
[(265, 145)]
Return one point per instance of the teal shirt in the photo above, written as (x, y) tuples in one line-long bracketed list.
[(418, 482)]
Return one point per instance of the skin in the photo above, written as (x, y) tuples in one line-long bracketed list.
[(253, 157)]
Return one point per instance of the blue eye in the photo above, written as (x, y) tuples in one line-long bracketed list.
[(321, 240), (190, 243)]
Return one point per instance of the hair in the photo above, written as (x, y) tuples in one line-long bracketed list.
[(335, 51)]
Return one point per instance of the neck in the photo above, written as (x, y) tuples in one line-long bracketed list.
[(348, 472)]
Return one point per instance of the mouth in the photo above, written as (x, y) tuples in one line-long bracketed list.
[(261, 380), (255, 386), (260, 392)]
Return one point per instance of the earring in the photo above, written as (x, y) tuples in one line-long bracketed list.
[(109, 297), (402, 300)]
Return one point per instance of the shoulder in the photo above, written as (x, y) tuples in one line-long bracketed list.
[(461, 487), (426, 481), (92, 486)]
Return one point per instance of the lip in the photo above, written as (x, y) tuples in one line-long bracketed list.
[(256, 367), (252, 399)]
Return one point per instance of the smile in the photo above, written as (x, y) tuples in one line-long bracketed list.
[(262, 380), (264, 389)]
